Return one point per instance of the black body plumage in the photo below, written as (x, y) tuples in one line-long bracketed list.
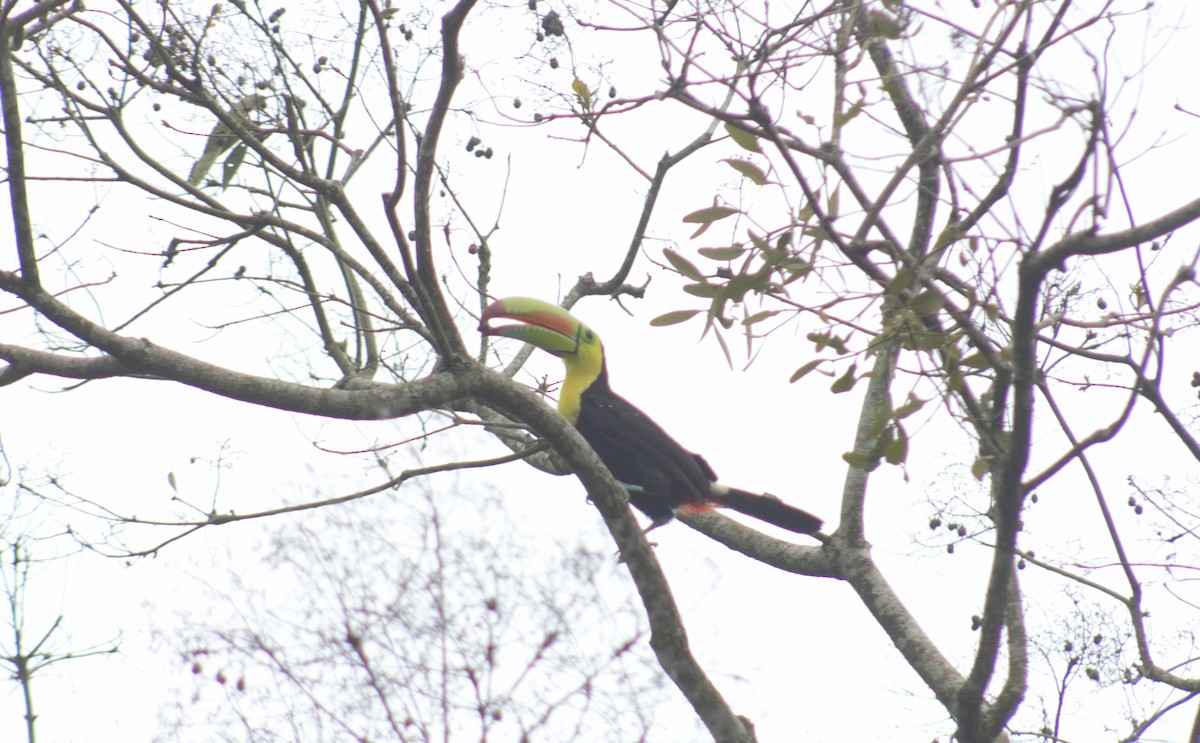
[(665, 476)]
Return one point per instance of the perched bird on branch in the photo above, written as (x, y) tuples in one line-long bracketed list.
[(660, 476)]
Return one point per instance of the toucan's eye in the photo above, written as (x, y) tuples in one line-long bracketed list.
[(589, 336)]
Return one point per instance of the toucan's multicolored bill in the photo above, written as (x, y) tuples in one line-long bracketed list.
[(545, 325)]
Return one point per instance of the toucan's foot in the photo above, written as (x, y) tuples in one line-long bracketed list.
[(659, 521)]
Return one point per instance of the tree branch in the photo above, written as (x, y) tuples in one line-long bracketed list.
[(14, 147), (668, 638), (1089, 242), (142, 357), (23, 362)]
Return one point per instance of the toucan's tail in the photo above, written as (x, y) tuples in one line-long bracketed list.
[(766, 507)]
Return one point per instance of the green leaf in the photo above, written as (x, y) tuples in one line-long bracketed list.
[(954, 380), (760, 243), (827, 340), (759, 317), (860, 461), (583, 94), (913, 404), (686, 268), (897, 449), (710, 214), (674, 317), (796, 269), (817, 233), (881, 442), (740, 285), (232, 163), (722, 254), (882, 24), (901, 282), (748, 169), (705, 291), (921, 338), (844, 383), (706, 216), (975, 361), (979, 468), (171, 481), (203, 165), (948, 237), (879, 426), (848, 115), (804, 370), (743, 138), (724, 348), (927, 303)]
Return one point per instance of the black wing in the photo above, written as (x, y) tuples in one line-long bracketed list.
[(639, 452), (666, 476)]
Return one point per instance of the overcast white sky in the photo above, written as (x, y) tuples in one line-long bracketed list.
[(117, 441)]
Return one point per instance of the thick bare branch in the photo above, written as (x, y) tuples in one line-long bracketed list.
[(667, 638), (1090, 243), (143, 357), (14, 147)]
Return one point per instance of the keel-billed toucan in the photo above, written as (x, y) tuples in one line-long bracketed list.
[(659, 474)]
